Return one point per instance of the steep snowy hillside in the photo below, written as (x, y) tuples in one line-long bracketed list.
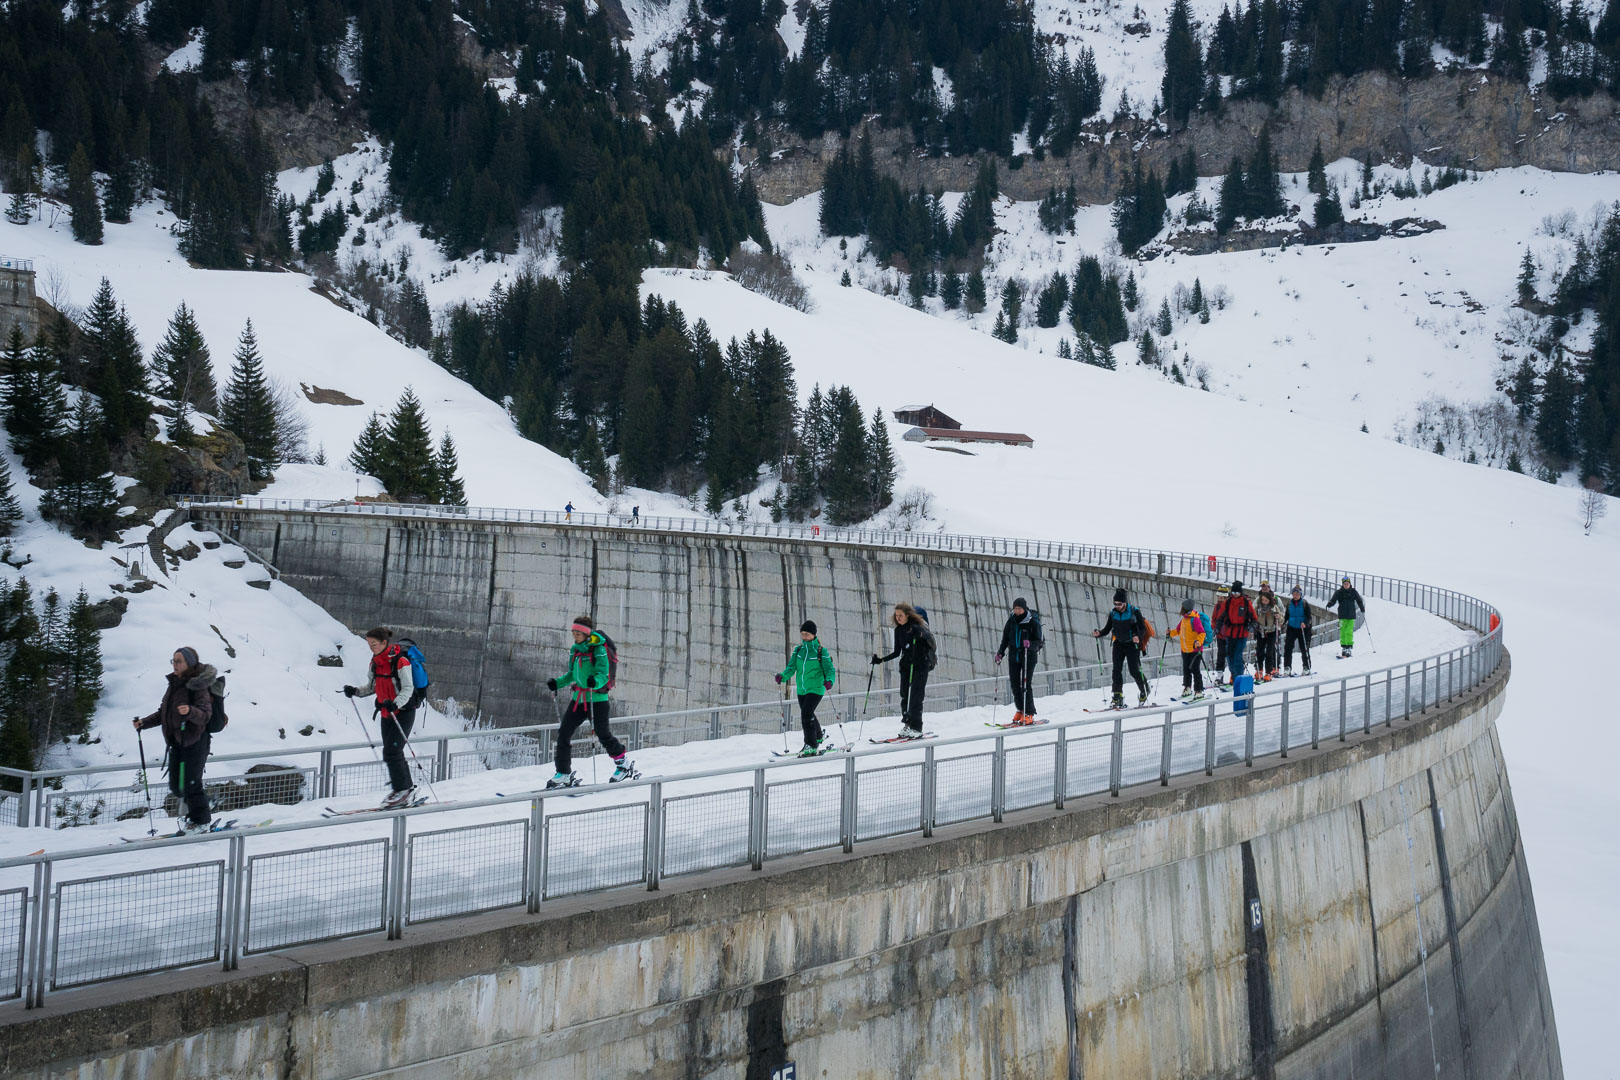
[(1347, 334), (1127, 456)]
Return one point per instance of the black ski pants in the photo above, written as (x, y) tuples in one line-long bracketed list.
[(807, 718), (1220, 657), (1265, 651), (1192, 671), (580, 711), (1299, 634), (396, 734), (1126, 653), (186, 764), (913, 682), (1023, 682)]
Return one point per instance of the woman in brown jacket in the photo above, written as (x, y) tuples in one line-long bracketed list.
[(184, 715)]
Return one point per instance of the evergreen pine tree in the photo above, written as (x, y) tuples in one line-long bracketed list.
[(976, 298), (1129, 293), (847, 482), (844, 281), (452, 492), (1105, 356), (34, 403), (1233, 197), (1147, 352), (85, 498), (1195, 302), (950, 290), (1012, 302), (1555, 418), (1163, 324), (83, 205), (370, 453), (20, 207), (1329, 211), (884, 467), (1003, 330), (248, 409), (1262, 187), (10, 509), (184, 370), (1527, 277), (804, 491), (82, 649), (409, 472), (1183, 83), (1316, 172)]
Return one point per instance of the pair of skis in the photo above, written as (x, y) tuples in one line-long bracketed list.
[(231, 825), (420, 800)]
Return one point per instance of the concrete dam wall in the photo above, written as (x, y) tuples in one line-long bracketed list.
[(1361, 910), (699, 619)]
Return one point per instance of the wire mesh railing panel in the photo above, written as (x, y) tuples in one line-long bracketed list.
[(1187, 746), (1231, 735), (589, 850), (95, 806), (888, 801), (359, 778), (498, 752), (963, 788), (9, 805), (315, 894), (1267, 725), (13, 925), (1141, 753), (126, 924), (1030, 776), (803, 815), (285, 786), (464, 870), (1088, 764), (706, 831)]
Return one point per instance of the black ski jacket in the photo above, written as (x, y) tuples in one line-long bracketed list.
[(1019, 630), (1347, 600), (1123, 625), (913, 644)]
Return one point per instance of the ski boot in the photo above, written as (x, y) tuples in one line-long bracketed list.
[(1142, 698), (813, 749), (397, 799), (626, 770), (1118, 702), (562, 780), (909, 733)]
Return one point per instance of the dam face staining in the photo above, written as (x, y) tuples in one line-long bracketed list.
[(1345, 897)]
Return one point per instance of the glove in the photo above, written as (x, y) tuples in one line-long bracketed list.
[(1096, 633), (551, 684), (386, 712), (350, 691), (876, 660), (779, 680), (998, 658), (829, 686)]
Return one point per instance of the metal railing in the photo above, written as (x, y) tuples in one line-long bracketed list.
[(214, 898)]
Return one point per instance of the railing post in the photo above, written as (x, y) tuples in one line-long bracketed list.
[(1406, 691), (930, 777), (1164, 750), (323, 777), (39, 937), (1283, 741), (1060, 768), (25, 802), (1116, 756), (756, 822), (237, 859), (1248, 730), (1423, 687), (655, 835), (1209, 742), (441, 760), (1366, 705), (846, 817), (1316, 715), (998, 778), (394, 902), (533, 877)]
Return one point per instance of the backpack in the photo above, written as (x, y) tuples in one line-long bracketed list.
[(217, 718), (419, 675), (1238, 616), (613, 660), (1147, 629), (1036, 634)]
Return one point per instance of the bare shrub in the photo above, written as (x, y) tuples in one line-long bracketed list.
[(770, 275)]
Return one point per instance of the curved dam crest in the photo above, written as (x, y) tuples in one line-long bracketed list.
[(1361, 909)]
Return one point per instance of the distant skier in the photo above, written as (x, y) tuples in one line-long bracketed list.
[(1236, 619), (1190, 633), (1217, 615), (1297, 614), (914, 645), (811, 670), (1129, 632), (1348, 601), (635, 513), (1268, 622), (398, 698), (589, 674), (568, 511), (1023, 639), (184, 714)]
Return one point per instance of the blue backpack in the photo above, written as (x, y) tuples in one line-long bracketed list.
[(419, 675)]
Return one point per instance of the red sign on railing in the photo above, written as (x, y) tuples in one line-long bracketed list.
[(1212, 564)]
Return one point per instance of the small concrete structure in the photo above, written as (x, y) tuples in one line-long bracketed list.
[(952, 435), (17, 298)]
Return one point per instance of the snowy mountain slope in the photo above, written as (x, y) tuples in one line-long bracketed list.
[(1346, 334), (1129, 457)]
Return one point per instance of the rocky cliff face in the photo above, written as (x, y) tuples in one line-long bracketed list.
[(1468, 119)]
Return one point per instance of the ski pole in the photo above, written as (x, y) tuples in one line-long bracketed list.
[(359, 720), (862, 729), (140, 740), (406, 739), (1366, 624), (786, 718), (995, 701)]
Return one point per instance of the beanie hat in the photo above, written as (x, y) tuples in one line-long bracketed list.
[(808, 627), (189, 654), (1186, 607), (1021, 602), (1221, 589), (1119, 596), (1237, 586)]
